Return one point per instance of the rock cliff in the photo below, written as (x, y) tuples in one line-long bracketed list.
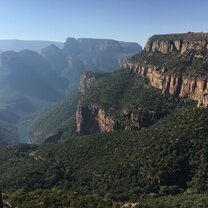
[(178, 42), (183, 86), (130, 205), (91, 119), (203, 101)]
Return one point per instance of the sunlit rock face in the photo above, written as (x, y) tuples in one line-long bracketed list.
[(183, 86), (178, 42), (91, 119)]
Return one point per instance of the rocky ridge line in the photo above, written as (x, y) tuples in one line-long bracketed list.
[(178, 42)]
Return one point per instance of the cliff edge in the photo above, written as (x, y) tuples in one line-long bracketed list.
[(175, 64), (178, 42)]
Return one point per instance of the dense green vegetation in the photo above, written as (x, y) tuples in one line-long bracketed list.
[(59, 119), (8, 134), (168, 158), (182, 201), (58, 198)]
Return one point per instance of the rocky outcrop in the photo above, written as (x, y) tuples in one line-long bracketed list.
[(4, 204), (178, 42), (91, 119), (182, 86), (131, 120), (203, 101), (7, 205), (130, 205), (86, 81)]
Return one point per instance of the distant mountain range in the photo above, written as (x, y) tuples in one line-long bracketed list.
[(79, 55), (35, 45)]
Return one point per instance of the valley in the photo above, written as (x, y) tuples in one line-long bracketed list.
[(31, 82)]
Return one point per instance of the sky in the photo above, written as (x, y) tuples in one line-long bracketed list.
[(124, 20)]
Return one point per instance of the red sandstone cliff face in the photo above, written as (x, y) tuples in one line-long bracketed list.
[(183, 86), (92, 119), (178, 42)]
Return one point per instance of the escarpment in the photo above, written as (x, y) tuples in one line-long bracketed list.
[(178, 85), (175, 64), (178, 42), (123, 101)]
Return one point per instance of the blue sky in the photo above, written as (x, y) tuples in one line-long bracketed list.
[(127, 20)]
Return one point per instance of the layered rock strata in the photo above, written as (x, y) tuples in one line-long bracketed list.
[(183, 86), (178, 42)]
